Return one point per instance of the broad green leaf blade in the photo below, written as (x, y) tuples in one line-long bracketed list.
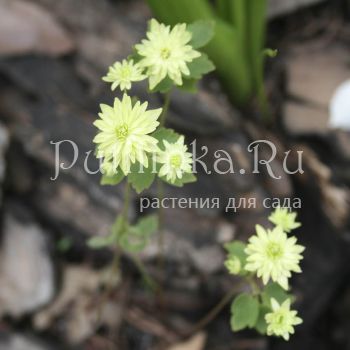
[(261, 325), (137, 236), (189, 85), (118, 227), (141, 178), (181, 11), (274, 290), (186, 179), (255, 42), (133, 243), (113, 180), (223, 9), (147, 225), (165, 134), (245, 312), (200, 66), (202, 32), (100, 242), (164, 86)]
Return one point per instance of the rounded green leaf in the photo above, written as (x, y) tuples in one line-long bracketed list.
[(112, 180), (245, 312), (200, 66), (141, 178), (274, 290), (202, 32)]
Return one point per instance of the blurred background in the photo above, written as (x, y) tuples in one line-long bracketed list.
[(52, 57)]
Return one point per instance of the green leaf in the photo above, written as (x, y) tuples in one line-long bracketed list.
[(100, 242), (236, 248), (164, 86), (64, 244), (135, 57), (105, 241), (245, 312), (148, 225), (137, 236), (202, 32), (113, 180), (117, 227), (165, 134), (132, 242), (272, 53), (189, 85), (261, 325), (226, 49), (186, 179), (274, 290), (200, 66), (140, 177)]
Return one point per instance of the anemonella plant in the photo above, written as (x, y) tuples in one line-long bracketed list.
[(267, 262), (132, 143)]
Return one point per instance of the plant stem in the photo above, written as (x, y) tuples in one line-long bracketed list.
[(115, 267), (214, 311), (165, 108), (146, 277), (253, 285), (125, 211), (160, 191)]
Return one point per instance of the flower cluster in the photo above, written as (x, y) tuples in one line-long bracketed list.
[(129, 131), (271, 256)]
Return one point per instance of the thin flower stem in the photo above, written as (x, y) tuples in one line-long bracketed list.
[(160, 190), (210, 316), (165, 108), (150, 282), (115, 267), (126, 204), (253, 285)]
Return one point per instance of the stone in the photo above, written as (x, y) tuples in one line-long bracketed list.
[(210, 114), (26, 27), (18, 341), (4, 141), (104, 31), (301, 119), (76, 303), (315, 72), (26, 269)]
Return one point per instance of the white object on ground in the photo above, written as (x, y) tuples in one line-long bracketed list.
[(339, 107)]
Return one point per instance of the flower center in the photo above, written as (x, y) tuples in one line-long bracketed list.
[(175, 160), (274, 250), (122, 132), (280, 319), (125, 73), (164, 53)]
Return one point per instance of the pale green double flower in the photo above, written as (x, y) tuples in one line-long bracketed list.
[(166, 52), (281, 320), (272, 255), (124, 134)]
